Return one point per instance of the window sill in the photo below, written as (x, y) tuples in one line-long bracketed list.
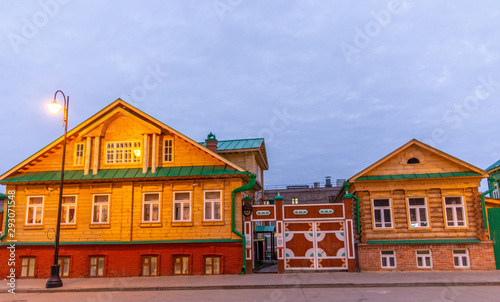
[(212, 223), (151, 225), (182, 224), (33, 227), (100, 226), (68, 227)]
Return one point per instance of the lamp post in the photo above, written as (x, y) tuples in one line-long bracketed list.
[(54, 107)]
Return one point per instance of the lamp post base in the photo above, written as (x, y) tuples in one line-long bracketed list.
[(54, 280)]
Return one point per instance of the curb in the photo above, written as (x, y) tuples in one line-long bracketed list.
[(276, 286)]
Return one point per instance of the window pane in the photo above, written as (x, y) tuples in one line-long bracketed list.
[(154, 266), (145, 270), (178, 211), (384, 261), (96, 213), (71, 216), (381, 202), (208, 210), (392, 261), (428, 261), (100, 198), (464, 261), (449, 216), (413, 215), (156, 212), (36, 200), (423, 215), (100, 267), (212, 195), (104, 213), (416, 201), (387, 215), (152, 197), (460, 214), (146, 212), (182, 196), (216, 266), (93, 271), (419, 261), (186, 211), (457, 261), (378, 215), (185, 265), (217, 210)]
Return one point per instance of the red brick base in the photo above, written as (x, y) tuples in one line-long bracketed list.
[(480, 254), (124, 260)]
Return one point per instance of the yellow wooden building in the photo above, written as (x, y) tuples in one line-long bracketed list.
[(139, 199), (419, 209)]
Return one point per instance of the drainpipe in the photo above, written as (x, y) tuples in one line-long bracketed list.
[(347, 195), (3, 196), (485, 221), (249, 186)]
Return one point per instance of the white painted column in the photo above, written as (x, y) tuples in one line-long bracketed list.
[(153, 154), (88, 149), (145, 154), (97, 154)]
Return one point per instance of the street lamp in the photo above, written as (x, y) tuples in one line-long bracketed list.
[(54, 107)]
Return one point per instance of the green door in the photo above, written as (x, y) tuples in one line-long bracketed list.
[(494, 223)]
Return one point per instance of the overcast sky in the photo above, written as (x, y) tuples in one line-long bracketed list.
[(333, 86)]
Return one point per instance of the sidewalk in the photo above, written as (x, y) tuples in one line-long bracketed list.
[(259, 281)]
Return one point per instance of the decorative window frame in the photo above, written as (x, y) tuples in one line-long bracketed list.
[(149, 265), (411, 226), (100, 210), (110, 154), (387, 257), (461, 257), (463, 206), (174, 257), (424, 257), (213, 201), (182, 202), (28, 207), (67, 210), (144, 202), (382, 214), (205, 257)]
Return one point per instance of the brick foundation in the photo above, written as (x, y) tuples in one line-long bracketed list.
[(124, 260), (480, 254)]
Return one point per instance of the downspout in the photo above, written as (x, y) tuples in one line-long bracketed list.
[(250, 185), (347, 195), (3, 196), (483, 205)]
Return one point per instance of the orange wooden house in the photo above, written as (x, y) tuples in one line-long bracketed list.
[(139, 199), (419, 209)]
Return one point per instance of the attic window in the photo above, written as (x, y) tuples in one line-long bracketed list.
[(413, 160)]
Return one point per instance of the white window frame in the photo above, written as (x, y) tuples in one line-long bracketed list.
[(151, 204), (66, 207), (34, 207), (168, 157), (424, 255), (382, 214), (212, 202), (454, 208), (123, 154), (79, 155), (417, 208), (100, 209), (388, 258), (182, 202), (461, 257)]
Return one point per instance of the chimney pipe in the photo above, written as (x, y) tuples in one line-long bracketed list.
[(211, 142)]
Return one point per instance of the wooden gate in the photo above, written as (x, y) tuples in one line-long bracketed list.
[(494, 226)]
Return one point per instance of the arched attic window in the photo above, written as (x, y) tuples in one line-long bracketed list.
[(413, 160)]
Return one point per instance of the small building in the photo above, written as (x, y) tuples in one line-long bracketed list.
[(419, 208), (139, 199)]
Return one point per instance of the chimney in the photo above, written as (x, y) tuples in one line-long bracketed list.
[(211, 142), (328, 182)]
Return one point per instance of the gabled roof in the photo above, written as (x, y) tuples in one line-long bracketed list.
[(493, 166), (96, 120), (471, 170)]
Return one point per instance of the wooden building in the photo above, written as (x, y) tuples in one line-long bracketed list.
[(139, 199), (419, 209)]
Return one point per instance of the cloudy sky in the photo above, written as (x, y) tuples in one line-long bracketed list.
[(332, 86)]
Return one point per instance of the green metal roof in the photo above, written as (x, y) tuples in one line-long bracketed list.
[(424, 175), (125, 173), (494, 166), (236, 144)]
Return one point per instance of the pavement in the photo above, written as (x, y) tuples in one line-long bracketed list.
[(261, 281)]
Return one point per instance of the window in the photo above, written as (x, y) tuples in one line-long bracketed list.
[(455, 212), (34, 211), (295, 201), (461, 258), (64, 266), (149, 265), (424, 259), (388, 259), (382, 213), (418, 213), (181, 265), (182, 206), (28, 267), (168, 150), (68, 213), (123, 152), (79, 155), (413, 160), (151, 207), (212, 265), (213, 205), (100, 206), (97, 266)]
